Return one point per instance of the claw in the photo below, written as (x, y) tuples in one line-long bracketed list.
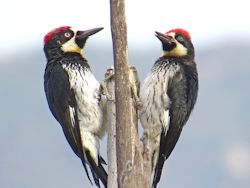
[(135, 83), (104, 91), (109, 74)]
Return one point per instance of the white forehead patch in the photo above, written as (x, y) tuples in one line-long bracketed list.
[(172, 34), (73, 29)]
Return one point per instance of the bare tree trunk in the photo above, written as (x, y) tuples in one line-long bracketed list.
[(125, 128), (111, 115), (133, 158)]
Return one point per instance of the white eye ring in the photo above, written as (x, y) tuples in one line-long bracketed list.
[(67, 34)]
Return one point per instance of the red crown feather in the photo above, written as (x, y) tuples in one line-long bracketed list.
[(50, 34), (182, 31)]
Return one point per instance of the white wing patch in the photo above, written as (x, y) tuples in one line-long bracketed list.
[(72, 115), (166, 124)]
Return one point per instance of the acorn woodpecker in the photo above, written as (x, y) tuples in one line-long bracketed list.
[(168, 96), (74, 96)]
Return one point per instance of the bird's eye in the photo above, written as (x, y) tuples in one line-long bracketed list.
[(180, 38), (67, 34)]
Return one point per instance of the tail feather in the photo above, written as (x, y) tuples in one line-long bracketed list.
[(98, 171), (86, 169), (102, 161), (167, 144), (158, 171), (104, 176), (95, 177)]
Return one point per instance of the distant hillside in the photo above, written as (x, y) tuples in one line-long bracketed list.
[(34, 152)]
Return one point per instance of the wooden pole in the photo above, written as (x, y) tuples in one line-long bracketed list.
[(124, 116), (133, 157), (111, 116)]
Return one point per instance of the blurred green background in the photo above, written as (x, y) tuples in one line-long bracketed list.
[(214, 149)]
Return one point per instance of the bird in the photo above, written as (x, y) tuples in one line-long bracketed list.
[(74, 96), (168, 96)]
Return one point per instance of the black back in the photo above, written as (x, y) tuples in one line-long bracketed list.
[(60, 99), (182, 91)]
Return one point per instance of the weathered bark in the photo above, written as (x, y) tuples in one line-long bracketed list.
[(111, 114), (125, 129), (133, 159)]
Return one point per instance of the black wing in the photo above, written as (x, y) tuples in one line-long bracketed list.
[(62, 103), (183, 94)]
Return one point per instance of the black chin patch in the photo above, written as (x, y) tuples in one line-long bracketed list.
[(168, 46), (80, 41)]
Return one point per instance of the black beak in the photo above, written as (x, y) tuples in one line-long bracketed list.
[(164, 38), (168, 42), (81, 36), (87, 33)]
